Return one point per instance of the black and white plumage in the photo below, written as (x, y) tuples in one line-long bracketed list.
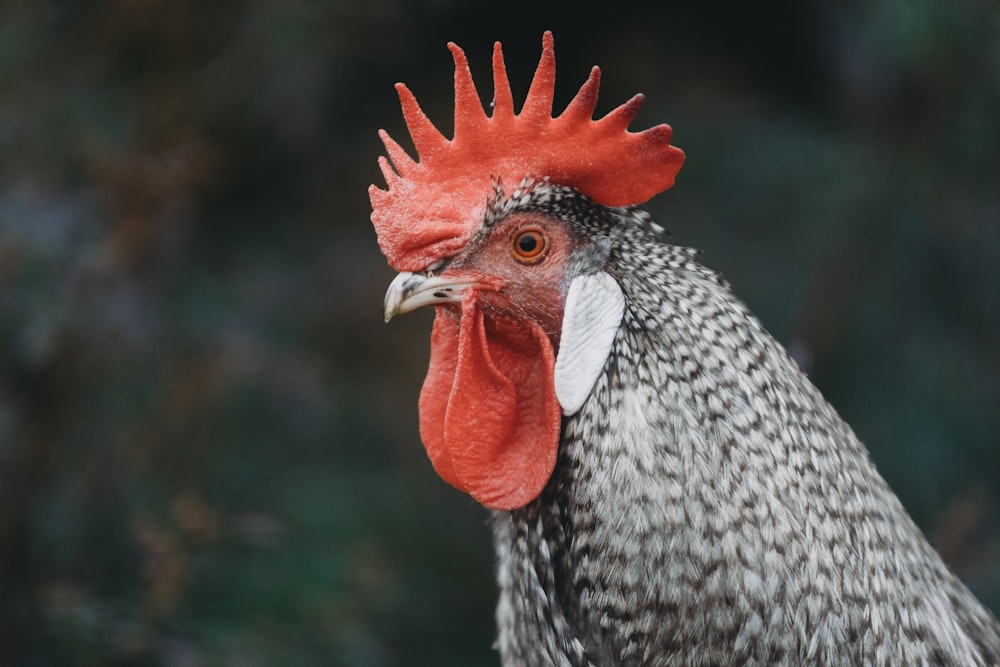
[(708, 506)]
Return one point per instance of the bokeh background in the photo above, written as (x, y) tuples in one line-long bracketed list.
[(208, 438)]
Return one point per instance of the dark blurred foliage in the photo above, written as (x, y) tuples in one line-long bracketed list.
[(208, 438)]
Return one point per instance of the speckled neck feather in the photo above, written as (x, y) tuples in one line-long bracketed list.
[(709, 507)]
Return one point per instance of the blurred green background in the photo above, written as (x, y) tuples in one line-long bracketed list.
[(208, 438)]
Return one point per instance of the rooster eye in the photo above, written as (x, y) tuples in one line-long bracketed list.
[(530, 245)]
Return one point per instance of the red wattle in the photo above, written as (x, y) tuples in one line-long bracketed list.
[(489, 417)]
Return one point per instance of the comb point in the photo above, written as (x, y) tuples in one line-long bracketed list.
[(503, 99), (426, 137), (581, 107), (538, 103)]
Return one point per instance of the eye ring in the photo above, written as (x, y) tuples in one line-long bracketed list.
[(530, 245)]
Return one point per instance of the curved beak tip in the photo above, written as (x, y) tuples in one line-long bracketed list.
[(399, 290), (409, 291)]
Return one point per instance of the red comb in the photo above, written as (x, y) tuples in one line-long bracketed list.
[(433, 206)]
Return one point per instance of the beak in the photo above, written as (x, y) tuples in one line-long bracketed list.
[(409, 291)]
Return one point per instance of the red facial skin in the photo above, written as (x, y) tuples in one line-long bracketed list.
[(489, 416), (514, 287)]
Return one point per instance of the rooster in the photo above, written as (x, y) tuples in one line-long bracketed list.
[(667, 487)]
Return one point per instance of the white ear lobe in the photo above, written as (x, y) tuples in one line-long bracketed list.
[(594, 308)]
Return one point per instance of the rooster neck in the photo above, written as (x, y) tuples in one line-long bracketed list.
[(709, 506)]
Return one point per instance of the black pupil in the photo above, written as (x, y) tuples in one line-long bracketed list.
[(528, 243)]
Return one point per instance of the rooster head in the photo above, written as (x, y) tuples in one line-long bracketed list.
[(526, 316)]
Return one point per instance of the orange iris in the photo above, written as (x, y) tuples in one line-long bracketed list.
[(530, 245)]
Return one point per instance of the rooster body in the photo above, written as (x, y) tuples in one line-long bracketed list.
[(667, 487)]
